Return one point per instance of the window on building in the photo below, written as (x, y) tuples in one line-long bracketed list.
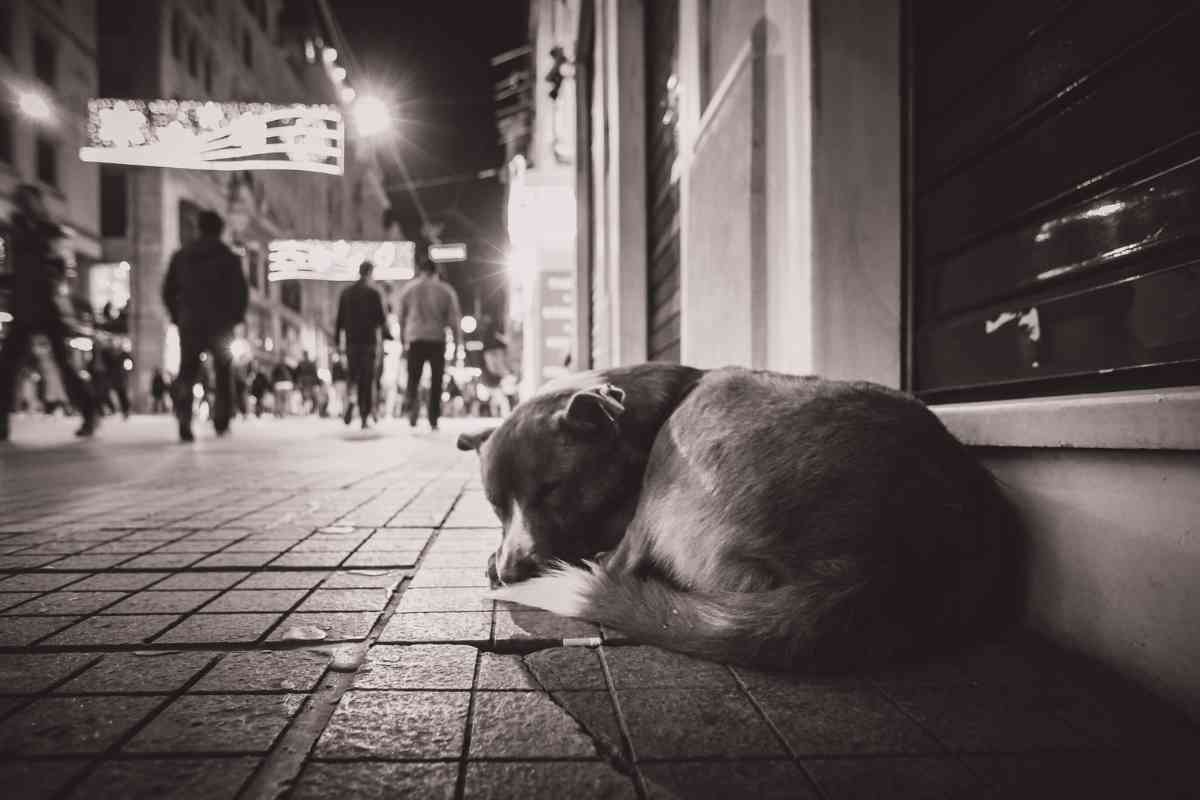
[(6, 28), (45, 59), (1083, 273), (114, 212), (193, 59), (252, 266), (46, 156), (189, 214), (290, 294), (177, 34), (6, 139), (247, 49)]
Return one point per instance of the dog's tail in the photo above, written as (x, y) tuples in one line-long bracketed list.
[(779, 627)]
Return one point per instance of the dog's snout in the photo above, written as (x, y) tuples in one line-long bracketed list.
[(504, 569)]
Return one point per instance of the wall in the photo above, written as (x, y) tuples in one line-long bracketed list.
[(75, 200)]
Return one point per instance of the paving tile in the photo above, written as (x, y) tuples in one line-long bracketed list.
[(466, 627), (68, 725), (756, 679), (376, 781), (338, 626), (448, 577), (231, 723), (26, 673), (199, 546), (187, 581), (284, 579), (236, 600), (39, 582), (769, 780), (500, 671), (265, 671), (162, 561), (990, 719), (156, 671), (68, 602), (39, 780), (364, 579), (236, 560), (703, 723), (119, 581), (396, 725), (525, 725), (219, 629), (89, 561), (837, 722), (152, 779), (515, 623), (309, 560), (345, 600), (20, 631), (898, 777), (162, 602), (10, 599), (520, 780), (456, 560), (652, 667), (1092, 775), (383, 558), (26, 562), (418, 666), (567, 668), (445, 600), (113, 630)]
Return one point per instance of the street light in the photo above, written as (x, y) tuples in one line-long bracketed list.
[(468, 324), (371, 115), (34, 106)]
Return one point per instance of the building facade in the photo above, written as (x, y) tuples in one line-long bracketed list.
[(228, 50), (951, 200), (48, 71)]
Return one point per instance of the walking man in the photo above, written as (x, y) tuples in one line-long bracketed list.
[(361, 328), (37, 271), (427, 308), (206, 296)]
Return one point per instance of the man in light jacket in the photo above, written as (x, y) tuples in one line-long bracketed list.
[(427, 308)]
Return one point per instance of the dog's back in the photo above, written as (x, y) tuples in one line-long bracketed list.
[(797, 521)]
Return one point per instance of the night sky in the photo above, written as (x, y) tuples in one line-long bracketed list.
[(431, 60)]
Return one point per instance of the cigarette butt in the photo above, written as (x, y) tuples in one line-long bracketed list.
[(582, 641)]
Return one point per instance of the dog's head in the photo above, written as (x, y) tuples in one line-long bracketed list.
[(560, 477)]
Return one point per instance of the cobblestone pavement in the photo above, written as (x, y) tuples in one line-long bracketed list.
[(298, 610)]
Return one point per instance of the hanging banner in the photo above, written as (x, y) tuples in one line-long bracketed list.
[(197, 134), (338, 260)]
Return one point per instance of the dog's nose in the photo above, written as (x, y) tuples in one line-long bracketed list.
[(501, 572)]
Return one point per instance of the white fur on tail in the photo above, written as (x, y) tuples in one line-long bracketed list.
[(562, 588)]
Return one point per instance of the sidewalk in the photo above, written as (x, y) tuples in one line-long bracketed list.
[(298, 611)]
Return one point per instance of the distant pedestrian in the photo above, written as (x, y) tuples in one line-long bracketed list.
[(306, 381), (360, 330), (37, 273), (206, 295), (281, 386), (427, 308), (338, 376), (260, 384), (158, 392)]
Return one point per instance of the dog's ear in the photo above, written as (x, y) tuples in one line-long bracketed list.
[(473, 441), (593, 410)]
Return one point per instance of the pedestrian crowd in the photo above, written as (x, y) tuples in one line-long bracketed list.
[(57, 358)]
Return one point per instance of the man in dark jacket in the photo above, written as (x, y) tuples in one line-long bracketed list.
[(37, 271), (206, 295), (363, 321)]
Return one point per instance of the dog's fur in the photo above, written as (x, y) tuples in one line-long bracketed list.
[(748, 516)]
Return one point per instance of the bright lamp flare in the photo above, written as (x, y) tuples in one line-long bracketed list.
[(34, 106), (468, 324), (371, 115)]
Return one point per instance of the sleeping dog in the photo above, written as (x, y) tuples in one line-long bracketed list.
[(748, 516)]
